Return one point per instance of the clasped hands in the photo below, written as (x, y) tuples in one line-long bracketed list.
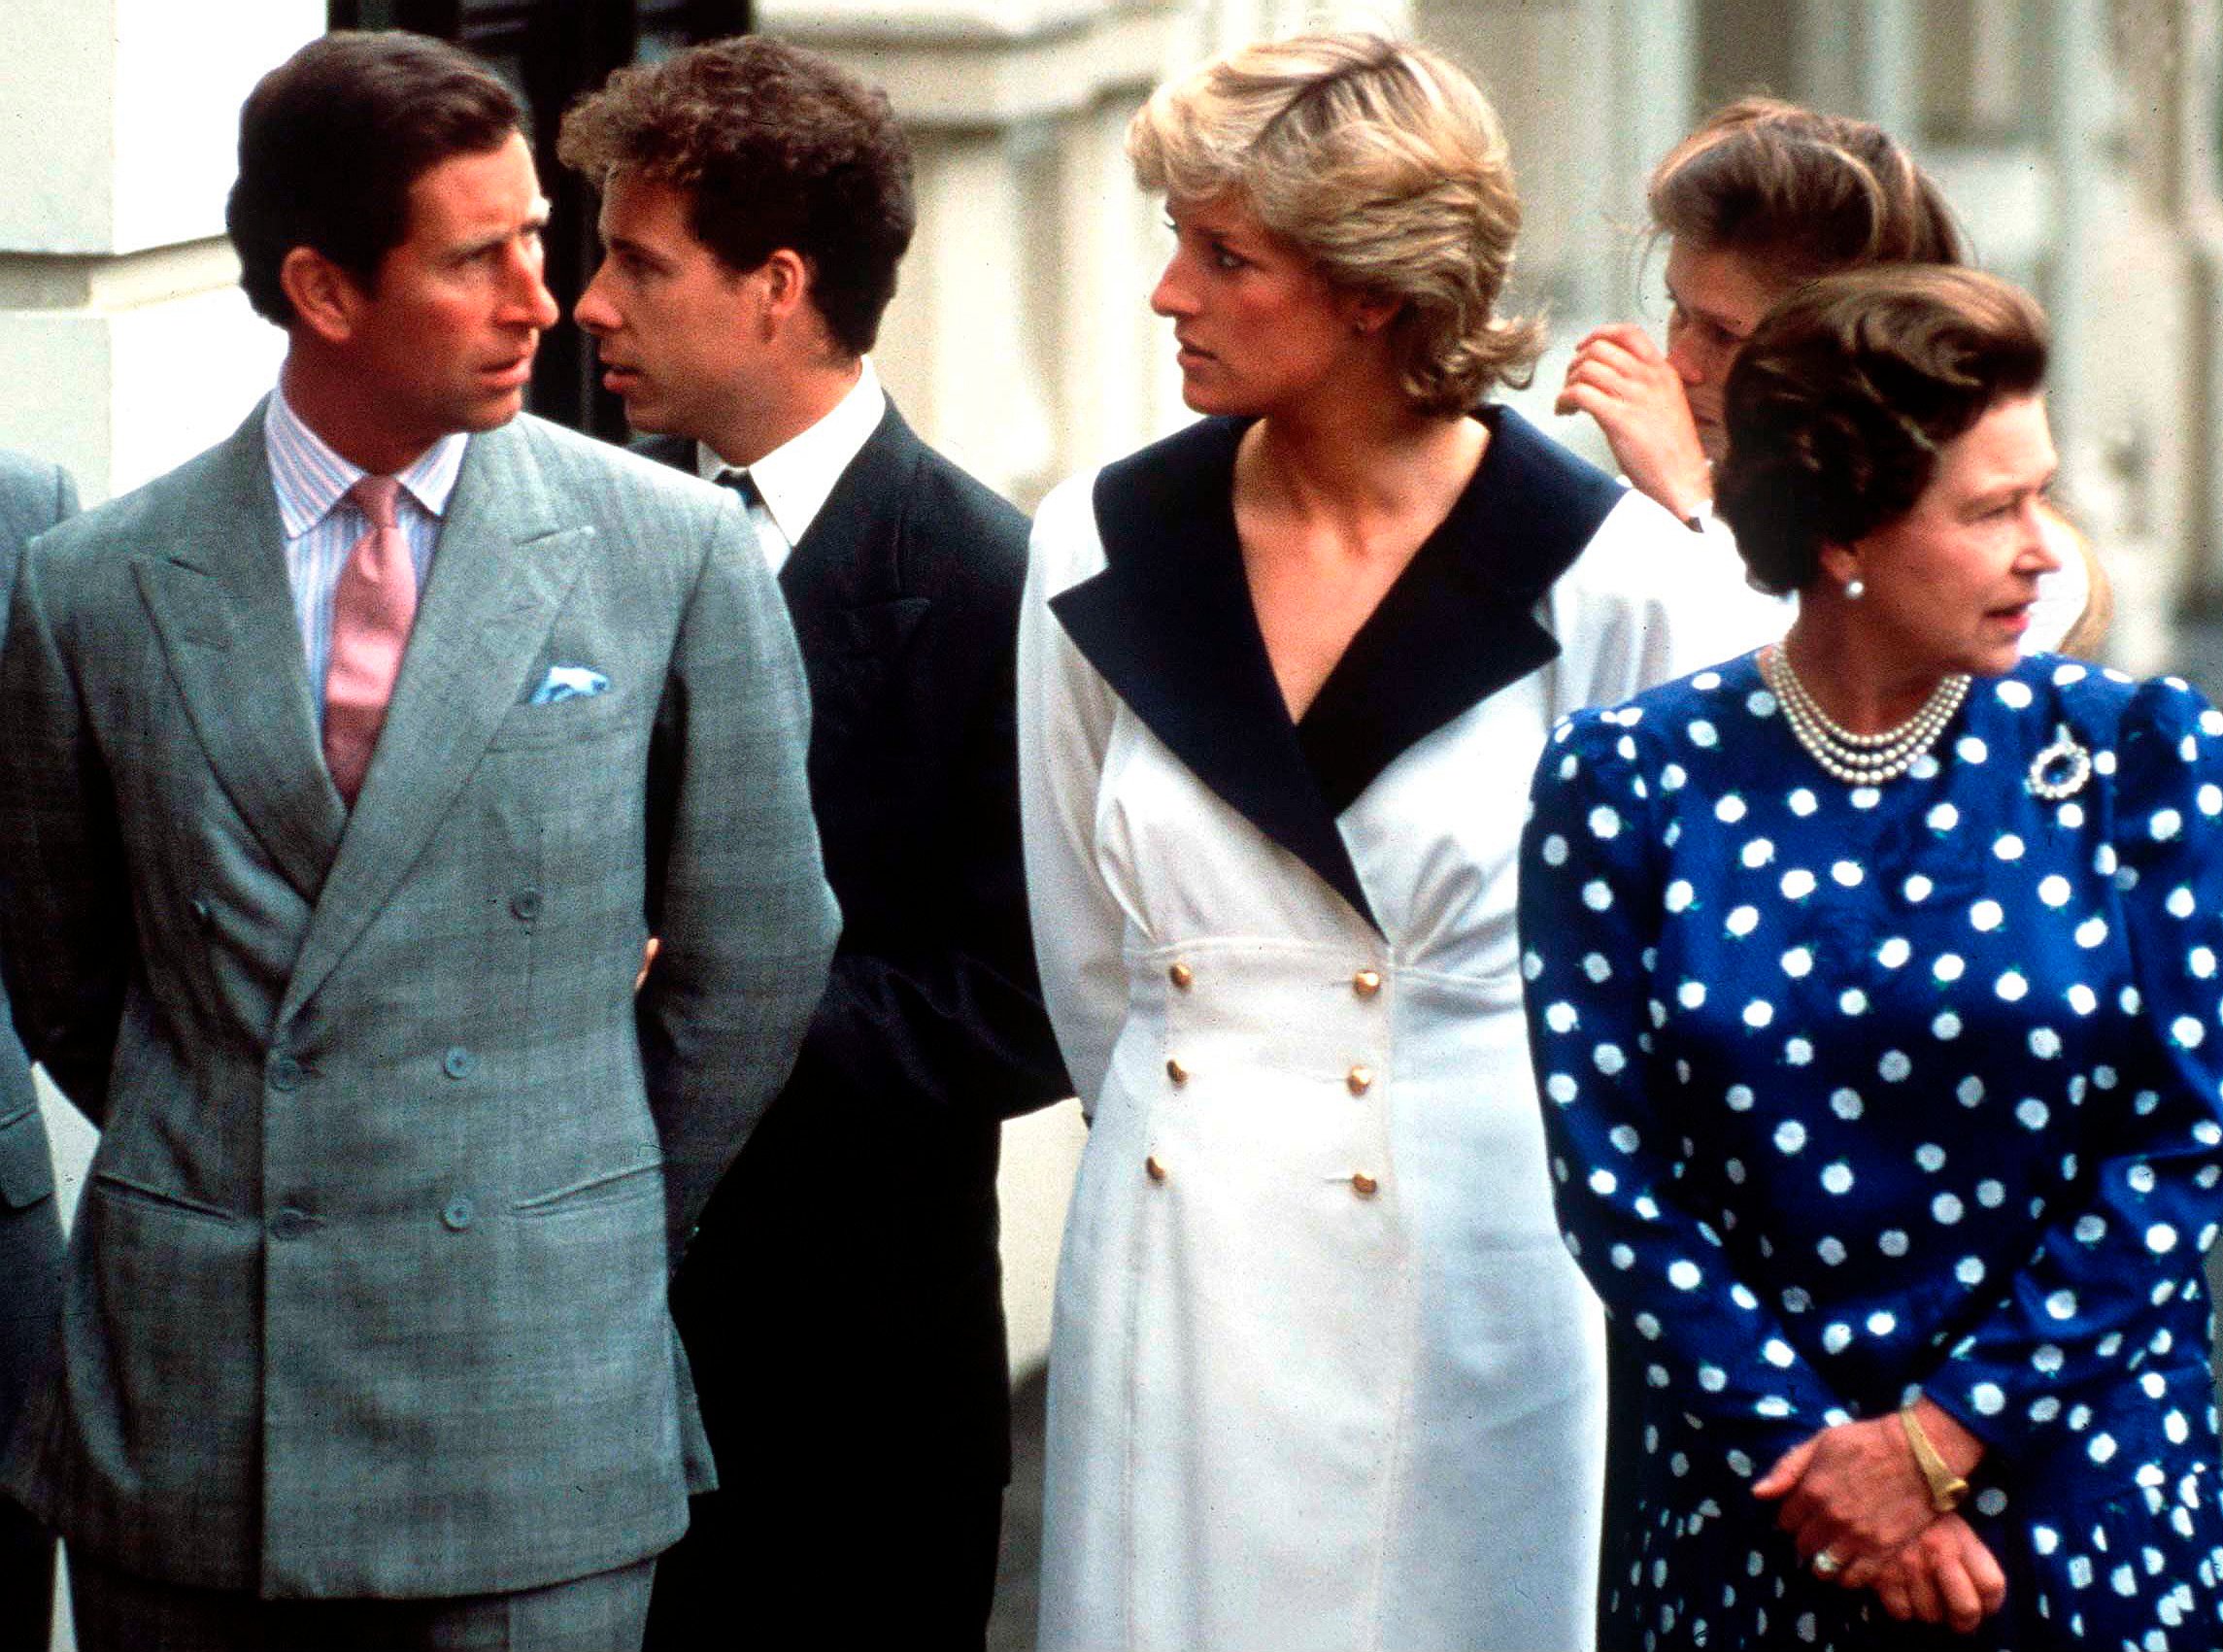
[(1855, 1493)]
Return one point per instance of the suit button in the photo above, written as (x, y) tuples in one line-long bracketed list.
[(284, 1072), (1154, 1167), (1363, 1185), (1181, 976), (1358, 1080), (459, 1062), (1175, 1071), (200, 911), (526, 903), (1367, 983), (459, 1214), (291, 1223)]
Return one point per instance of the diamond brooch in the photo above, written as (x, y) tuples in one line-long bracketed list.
[(2062, 769)]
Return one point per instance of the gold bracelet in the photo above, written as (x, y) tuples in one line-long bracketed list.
[(1948, 1490)]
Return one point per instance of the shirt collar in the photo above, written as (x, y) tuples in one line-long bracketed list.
[(796, 477), (311, 479)]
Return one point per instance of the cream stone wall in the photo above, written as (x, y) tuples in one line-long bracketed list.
[(126, 343)]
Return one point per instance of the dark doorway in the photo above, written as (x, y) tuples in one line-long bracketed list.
[(551, 51)]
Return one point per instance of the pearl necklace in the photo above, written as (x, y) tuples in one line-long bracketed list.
[(1860, 760)]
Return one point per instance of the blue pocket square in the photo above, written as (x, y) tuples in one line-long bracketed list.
[(569, 682)]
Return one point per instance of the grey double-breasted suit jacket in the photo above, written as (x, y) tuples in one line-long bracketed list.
[(368, 1294), (34, 496)]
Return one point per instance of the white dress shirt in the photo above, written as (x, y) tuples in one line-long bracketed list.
[(323, 523), (794, 479)]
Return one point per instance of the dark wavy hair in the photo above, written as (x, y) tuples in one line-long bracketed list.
[(1840, 402), (331, 139), (774, 146)]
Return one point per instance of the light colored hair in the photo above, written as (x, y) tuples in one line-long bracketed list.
[(1381, 163)]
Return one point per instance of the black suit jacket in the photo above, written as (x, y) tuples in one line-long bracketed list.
[(842, 1302)]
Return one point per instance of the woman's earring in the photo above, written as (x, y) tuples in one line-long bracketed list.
[(1855, 589)]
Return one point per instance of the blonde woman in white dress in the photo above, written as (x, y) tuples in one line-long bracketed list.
[(1323, 1373)]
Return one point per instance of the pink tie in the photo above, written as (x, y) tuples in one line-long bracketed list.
[(371, 610)]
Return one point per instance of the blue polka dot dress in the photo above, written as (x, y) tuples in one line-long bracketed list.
[(1852, 1090)]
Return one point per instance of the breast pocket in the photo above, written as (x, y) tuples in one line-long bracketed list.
[(583, 716)]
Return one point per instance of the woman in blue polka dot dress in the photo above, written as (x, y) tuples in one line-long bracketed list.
[(1872, 985)]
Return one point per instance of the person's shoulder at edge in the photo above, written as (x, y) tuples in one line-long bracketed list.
[(33, 475), (573, 450), (1647, 586), (978, 550), (657, 523), (1643, 554), (1063, 543), (946, 482), (1702, 696), (94, 550), (2101, 703)]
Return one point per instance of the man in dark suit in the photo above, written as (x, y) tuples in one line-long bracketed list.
[(842, 1306), (346, 770), (34, 496)]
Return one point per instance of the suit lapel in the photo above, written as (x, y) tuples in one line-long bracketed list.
[(222, 605), (1460, 622), (843, 581), (847, 556), (505, 562), (1169, 624)]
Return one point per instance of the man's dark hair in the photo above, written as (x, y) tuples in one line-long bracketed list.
[(1839, 404), (331, 139), (774, 146)]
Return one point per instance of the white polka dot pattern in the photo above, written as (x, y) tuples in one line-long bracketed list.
[(1919, 1089)]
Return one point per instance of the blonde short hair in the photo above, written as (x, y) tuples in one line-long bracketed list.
[(1384, 165)]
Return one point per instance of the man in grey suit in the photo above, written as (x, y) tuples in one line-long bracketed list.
[(365, 1335), (34, 496)]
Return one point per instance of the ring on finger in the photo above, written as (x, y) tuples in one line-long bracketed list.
[(1826, 1564)]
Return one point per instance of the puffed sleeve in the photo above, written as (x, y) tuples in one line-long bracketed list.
[(1065, 713), (1591, 903), (2126, 1242)]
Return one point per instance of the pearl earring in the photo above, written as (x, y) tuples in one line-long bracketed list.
[(1855, 589)]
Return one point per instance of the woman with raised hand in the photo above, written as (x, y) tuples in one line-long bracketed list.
[(1874, 989), (1763, 197), (1322, 1375)]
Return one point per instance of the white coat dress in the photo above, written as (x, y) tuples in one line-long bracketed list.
[(1323, 1373)]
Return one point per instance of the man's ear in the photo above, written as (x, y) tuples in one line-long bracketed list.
[(786, 278), (328, 298)]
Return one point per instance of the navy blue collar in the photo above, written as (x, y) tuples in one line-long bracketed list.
[(1169, 625)]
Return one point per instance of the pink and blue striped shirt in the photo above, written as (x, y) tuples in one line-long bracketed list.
[(323, 523)]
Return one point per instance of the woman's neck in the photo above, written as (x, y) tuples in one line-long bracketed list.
[(1858, 683), (1362, 468)]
